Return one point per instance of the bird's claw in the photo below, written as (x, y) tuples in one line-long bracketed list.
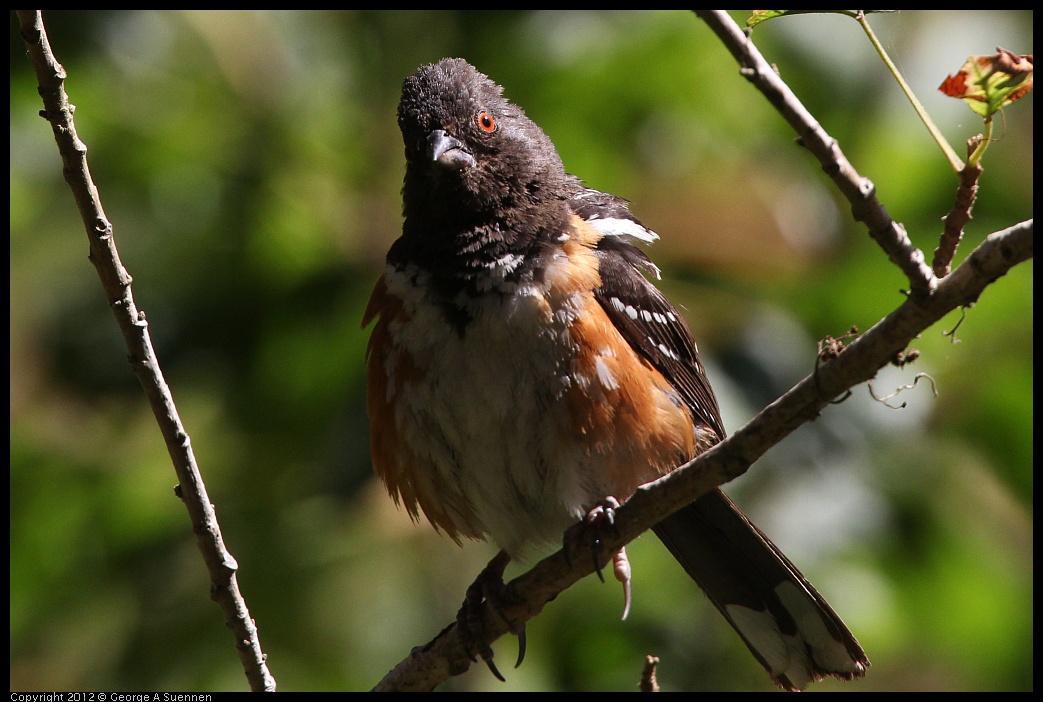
[(601, 516), (488, 587)]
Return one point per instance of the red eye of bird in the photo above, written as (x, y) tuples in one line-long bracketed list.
[(486, 122)]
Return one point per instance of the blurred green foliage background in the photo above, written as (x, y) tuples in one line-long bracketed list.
[(251, 164)]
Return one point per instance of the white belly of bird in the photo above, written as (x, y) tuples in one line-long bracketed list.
[(487, 425)]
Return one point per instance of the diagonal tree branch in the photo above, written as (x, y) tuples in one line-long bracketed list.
[(116, 282)]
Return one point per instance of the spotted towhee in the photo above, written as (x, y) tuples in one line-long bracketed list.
[(523, 368)]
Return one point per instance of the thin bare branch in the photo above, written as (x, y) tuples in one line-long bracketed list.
[(958, 217), (116, 282), (648, 681)]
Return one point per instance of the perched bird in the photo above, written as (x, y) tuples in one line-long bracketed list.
[(523, 369)]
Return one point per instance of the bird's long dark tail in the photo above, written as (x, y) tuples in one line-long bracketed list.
[(786, 624)]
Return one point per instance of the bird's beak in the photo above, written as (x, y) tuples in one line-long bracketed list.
[(447, 152)]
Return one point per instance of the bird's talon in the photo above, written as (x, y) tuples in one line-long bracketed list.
[(487, 587), (488, 658), (521, 645)]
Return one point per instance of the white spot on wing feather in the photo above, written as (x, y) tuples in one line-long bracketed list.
[(612, 226)]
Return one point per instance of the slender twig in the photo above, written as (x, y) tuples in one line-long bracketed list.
[(116, 283), (936, 133), (960, 214), (981, 143), (648, 682)]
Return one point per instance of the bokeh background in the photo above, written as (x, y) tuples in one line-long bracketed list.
[(251, 164)]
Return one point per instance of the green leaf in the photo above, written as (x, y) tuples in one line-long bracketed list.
[(758, 16), (990, 83)]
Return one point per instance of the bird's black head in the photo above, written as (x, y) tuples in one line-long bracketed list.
[(472, 157)]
